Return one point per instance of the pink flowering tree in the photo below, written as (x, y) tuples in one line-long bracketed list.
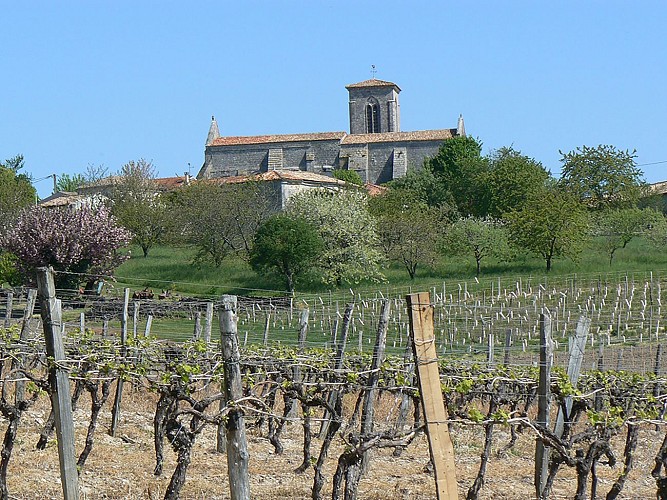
[(80, 244)]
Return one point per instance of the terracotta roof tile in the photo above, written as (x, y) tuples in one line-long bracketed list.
[(264, 139), (373, 82), (418, 135)]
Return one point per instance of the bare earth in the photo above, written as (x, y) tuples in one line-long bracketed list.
[(122, 467)]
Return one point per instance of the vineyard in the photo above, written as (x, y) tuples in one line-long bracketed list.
[(338, 374)]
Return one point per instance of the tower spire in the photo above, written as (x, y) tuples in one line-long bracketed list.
[(213, 132), (460, 127)]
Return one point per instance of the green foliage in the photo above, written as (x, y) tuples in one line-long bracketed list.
[(70, 183), (408, 228), (350, 176), (220, 219), (137, 204), (479, 237), (602, 177), (424, 185), (288, 246), (512, 178), (616, 227), (15, 163), (462, 169), (352, 250), (9, 272), (16, 190), (551, 224)]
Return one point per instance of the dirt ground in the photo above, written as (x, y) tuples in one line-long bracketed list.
[(122, 467)]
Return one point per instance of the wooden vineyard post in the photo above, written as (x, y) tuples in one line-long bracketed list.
[(208, 326), (423, 347), (237, 447), (60, 390), (573, 368), (8, 310), (115, 411), (25, 328), (543, 400)]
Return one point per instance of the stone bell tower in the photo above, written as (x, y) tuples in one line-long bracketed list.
[(374, 107)]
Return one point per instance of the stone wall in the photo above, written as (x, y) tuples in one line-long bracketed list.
[(243, 159)]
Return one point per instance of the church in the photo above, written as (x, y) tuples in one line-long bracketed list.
[(375, 146)]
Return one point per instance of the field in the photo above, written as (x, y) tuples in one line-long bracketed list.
[(487, 336), (122, 467)]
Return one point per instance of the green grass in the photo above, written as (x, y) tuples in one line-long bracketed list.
[(171, 268)]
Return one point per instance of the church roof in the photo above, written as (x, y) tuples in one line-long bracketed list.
[(417, 135), (265, 139), (373, 82)]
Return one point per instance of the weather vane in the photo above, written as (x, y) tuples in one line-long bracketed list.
[(373, 71)]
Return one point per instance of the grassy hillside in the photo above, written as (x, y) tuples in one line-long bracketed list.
[(171, 268)]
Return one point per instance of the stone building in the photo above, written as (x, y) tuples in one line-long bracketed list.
[(375, 147)]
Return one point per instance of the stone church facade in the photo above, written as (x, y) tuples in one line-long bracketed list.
[(375, 147)]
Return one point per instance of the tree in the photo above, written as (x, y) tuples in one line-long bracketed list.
[(479, 237), (8, 269), (80, 244), (16, 189), (619, 226), (425, 186), (14, 163), (551, 224), (287, 246), (349, 176), (512, 178), (71, 183), (220, 219), (409, 229), (602, 177), (462, 169), (348, 230), (138, 205)]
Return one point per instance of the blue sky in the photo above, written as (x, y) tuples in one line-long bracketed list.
[(103, 83)]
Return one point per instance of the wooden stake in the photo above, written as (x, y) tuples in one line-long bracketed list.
[(440, 443), (115, 411), (237, 447), (543, 401), (60, 390)]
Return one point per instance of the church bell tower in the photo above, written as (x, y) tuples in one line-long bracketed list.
[(374, 107)]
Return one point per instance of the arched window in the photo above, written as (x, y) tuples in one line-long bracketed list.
[(372, 118)]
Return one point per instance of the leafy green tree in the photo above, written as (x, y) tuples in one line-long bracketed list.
[(602, 177), (350, 176), (16, 189), (463, 170), (619, 226), (138, 205), (287, 246), (551, 224), (409, 229), (512, 178), (71, 183), (425, 185), (352, 249), (479, 237), (220, 219), (14, 163), (9, 272)]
